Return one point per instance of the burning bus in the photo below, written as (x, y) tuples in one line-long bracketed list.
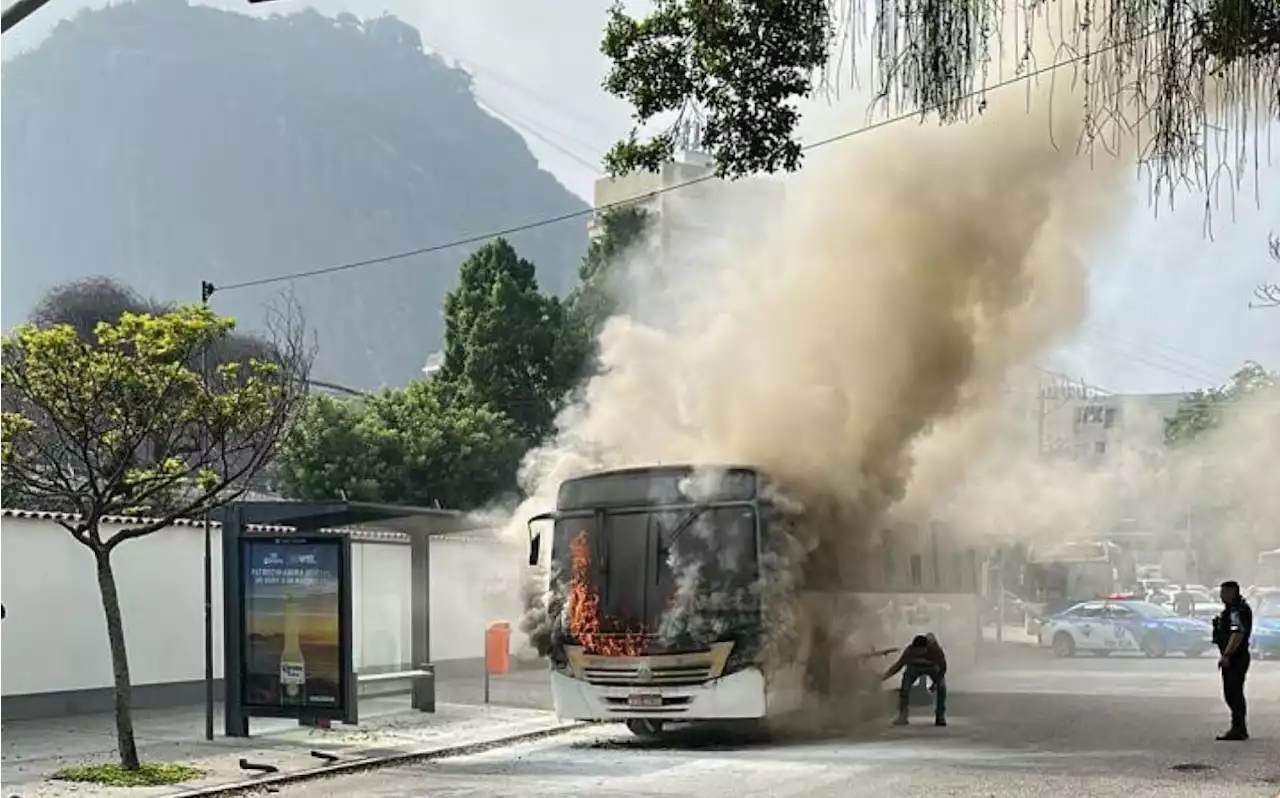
[(683, 593)]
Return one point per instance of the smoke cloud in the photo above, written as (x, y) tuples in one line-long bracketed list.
[(860, 348), (908, 271)]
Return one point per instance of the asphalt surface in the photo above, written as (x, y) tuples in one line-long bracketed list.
[(1043, 727)]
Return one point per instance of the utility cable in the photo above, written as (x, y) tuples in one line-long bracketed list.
[(564, 217)]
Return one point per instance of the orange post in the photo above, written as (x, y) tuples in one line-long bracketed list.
[(497, 648)]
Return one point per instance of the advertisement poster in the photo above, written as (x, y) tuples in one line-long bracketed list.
[(292, 621)]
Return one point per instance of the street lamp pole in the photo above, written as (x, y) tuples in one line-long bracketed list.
[(206, 291)]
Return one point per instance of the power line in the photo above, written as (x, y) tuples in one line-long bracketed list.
[(1184, 361), (1182, 370), (488, 71), (564, 217), (1144, 342), (531, 128)]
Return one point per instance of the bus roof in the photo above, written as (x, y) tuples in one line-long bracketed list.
[(657, 484), (664, 468)]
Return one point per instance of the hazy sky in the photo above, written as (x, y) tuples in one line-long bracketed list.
[(1171, 304)]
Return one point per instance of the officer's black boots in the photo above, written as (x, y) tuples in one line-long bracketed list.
[(1234, 734)]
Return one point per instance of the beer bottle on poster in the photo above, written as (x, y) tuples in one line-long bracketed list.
[(293, 669)]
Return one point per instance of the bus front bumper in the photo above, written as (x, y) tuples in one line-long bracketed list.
[(738, 695)]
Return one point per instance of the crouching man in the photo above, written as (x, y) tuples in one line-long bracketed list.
[(923, 658)]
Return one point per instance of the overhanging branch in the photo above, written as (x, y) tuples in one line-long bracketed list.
[(1268, 294)]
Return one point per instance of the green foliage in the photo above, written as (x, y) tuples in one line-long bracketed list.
[(737, 67), (1236, 30), (423, 445), (503, 341), (742, 63), (336, 448), (125, 424), (148, 774), (511, 356), (119, 421), (1203, 411), (594, 300)]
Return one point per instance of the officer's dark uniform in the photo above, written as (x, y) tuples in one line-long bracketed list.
[(1235, 617)]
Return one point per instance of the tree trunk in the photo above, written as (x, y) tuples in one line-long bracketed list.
[(119, 663)]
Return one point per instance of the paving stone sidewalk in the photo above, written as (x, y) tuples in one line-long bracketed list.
[(34, 750)]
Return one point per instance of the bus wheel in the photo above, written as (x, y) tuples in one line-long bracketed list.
[(644, 728)]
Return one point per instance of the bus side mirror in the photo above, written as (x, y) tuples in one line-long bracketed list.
[(535, 538)]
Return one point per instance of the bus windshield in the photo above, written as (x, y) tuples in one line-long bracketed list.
[(631, 569)]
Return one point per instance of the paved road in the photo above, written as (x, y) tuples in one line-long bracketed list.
[(1086, 727)]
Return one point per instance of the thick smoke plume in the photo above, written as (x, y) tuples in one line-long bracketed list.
[(1212, 498), (860, 353)]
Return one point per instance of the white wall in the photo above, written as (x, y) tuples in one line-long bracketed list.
[(54, 635), (54, 632)]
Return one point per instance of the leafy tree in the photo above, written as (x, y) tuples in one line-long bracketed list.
[(736, 64), (503, 341), (1202, 411), (86, 303), (124, 424), (1269, 293), (594, 300), (339, 448), (736, 67), (1240, 30), (467, 452), (511, 354), (420, 445)]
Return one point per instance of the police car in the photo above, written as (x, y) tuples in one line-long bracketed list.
[(1101, 627)]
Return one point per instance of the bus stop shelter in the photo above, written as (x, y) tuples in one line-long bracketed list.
[(278, 525)]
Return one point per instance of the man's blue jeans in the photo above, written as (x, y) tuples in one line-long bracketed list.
[(914, 673)]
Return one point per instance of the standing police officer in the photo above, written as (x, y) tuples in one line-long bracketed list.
[(1231, 632)]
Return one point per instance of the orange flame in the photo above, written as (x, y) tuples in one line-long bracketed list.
[(584, 611)]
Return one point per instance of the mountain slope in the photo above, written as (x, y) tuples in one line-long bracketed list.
[(165, 144)]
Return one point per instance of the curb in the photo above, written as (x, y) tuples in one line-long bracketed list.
[(372, 763)]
